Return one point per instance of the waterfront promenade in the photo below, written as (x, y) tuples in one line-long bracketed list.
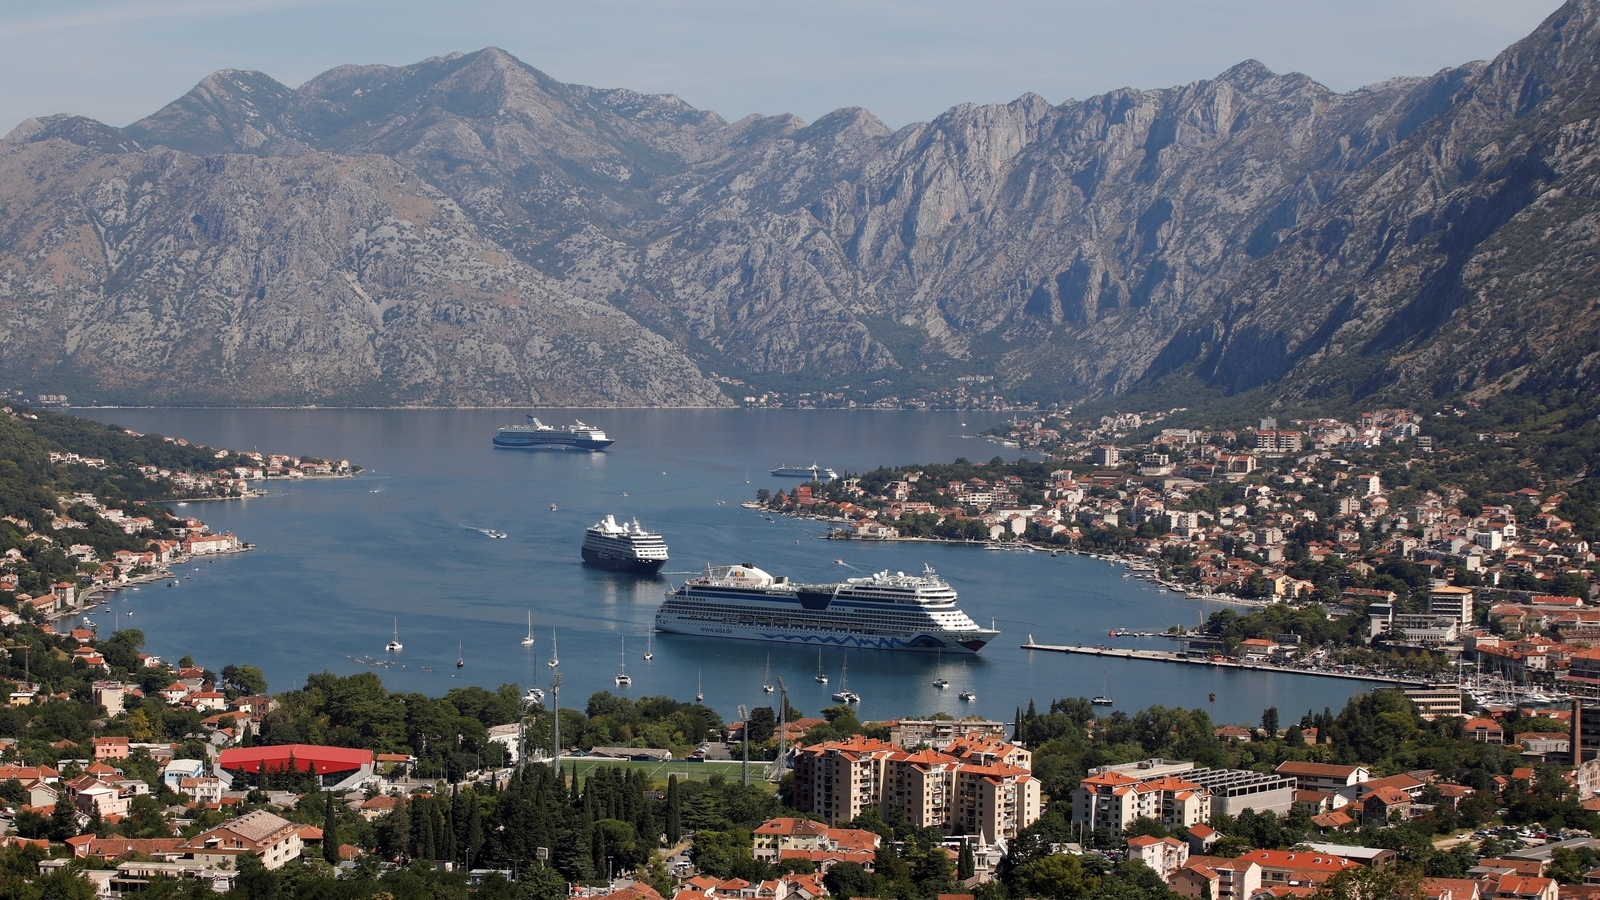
[(1168, 656)]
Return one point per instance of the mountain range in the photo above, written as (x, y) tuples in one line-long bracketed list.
[(469, 231)]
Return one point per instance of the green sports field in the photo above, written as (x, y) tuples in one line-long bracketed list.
[(658, 771)]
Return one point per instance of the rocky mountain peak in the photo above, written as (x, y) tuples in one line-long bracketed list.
[(79, 130), (229, 111), (467, 227), (1247, 75)]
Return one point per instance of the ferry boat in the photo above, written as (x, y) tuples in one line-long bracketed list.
[(812, 472), (883, 611), (535, 435), (624, 547)]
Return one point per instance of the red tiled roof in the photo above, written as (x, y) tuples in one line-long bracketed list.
[(307, 757)]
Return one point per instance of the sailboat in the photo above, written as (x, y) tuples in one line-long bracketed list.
[(821, 678), (623, 678), (394, 645), (939, 681), (528, 641), (1104, 698), (460, 660), (699, 695), (967, 694), (648, 642), (555, 660), (844, 694), (766, 681)]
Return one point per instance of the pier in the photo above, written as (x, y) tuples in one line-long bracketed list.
[(1168, 656)]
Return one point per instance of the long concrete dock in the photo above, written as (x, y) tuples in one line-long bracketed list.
[(1168, 656)]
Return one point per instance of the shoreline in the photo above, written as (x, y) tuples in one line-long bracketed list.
[(99, 596), (1136, 563)]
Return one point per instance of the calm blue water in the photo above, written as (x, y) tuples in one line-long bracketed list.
[(336, 563)]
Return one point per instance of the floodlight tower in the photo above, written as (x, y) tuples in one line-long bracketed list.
[(775, 773), (744, 739), (555, 707)]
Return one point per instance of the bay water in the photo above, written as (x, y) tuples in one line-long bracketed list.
[(340, 562)]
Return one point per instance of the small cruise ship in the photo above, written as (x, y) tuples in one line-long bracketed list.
[(624, 547), (535, 435), (883, 611)]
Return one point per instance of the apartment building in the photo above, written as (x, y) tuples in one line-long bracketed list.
[(1174, 793), (919, 785), (1113, 800), (909, 734), (839, 779), (1433, 702), (1455, 602), (783, 838), (272, 839), (996, 801), (1164, 855), (984, 787)]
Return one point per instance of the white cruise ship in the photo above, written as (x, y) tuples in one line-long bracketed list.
[(535, 435), (878, 612), (624, 547)]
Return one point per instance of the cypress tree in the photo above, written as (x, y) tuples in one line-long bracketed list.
[(966, 863), (474, 828), (459, 817), (444, 827), (422, 829), (330, 832), (674, 817)]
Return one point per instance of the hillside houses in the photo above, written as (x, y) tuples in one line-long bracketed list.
[(1249, 513)]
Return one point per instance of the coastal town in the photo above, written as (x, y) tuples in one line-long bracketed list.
[(1333, 538), (87, 547), (1472, 770)]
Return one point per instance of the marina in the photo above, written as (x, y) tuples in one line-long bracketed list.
[(1213, 662)]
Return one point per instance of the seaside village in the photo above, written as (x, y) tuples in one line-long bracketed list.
[(153, 561)]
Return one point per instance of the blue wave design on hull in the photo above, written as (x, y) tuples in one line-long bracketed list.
[(920, 642)]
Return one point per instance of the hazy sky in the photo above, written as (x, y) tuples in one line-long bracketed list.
[(905, 60)]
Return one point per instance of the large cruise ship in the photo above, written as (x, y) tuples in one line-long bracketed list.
[(624, 547), (535, 435), (878, 612), (812, 472)]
